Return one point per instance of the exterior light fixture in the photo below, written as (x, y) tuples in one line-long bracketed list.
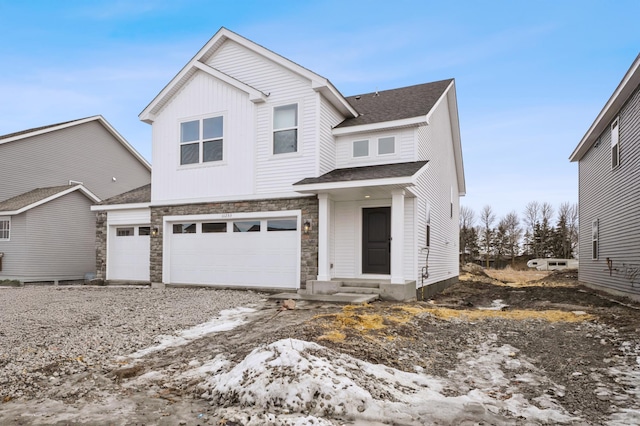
[(306, 227), (154, 231)]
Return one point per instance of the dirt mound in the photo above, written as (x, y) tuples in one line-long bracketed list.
[(473, 269), (560, 277)]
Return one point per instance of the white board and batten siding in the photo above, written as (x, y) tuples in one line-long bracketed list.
[(612, 197), (261, 258), (87, 153), (437, 188), (230, 177), (346, 229), (129, 254)]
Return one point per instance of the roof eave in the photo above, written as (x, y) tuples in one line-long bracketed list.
[(457, 139), (382, 125), (623, 92), (90, 195), (129, 206)]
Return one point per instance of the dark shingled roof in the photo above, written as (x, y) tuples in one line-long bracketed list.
[(35, 129), (396, 104), (137, 195), (383, 171), (28, 198)]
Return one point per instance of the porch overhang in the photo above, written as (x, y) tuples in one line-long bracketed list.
[(365, 182)]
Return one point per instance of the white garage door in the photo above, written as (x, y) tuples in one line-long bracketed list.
[(128, 257), (248, 252)]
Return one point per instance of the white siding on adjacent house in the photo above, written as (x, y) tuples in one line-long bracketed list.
[(404, 148), (201, 97), (329, 117), (436, 188), (87, 153)]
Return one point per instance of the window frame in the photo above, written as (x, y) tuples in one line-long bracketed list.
[(386, 153), (615, 143), (275, 129), (125, 231), (201, 141), (353, 148), (7, 230)]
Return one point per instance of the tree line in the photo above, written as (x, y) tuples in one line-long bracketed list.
[(536, 234)]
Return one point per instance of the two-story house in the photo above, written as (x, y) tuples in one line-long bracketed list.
[(266, 176), (608, 159), (50, 177)]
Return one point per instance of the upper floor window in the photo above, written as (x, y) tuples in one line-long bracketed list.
[(386, 145), (5, 228), (361, 148), (615, 144), (285, 129), (201, 140), (595, 236)]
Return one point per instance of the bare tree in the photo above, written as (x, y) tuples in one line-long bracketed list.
[(513, 233), (568, 227), (487, 217), (531, 217), (467, 232)]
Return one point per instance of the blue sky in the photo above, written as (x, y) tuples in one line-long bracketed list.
[(530, 76)]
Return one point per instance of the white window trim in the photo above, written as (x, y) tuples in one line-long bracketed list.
[(389, 154), (8, 220), (200, 141), (298, 151), (615, 142)]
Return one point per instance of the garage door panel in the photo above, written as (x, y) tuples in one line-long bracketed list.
[(260, 259), (128, 257)]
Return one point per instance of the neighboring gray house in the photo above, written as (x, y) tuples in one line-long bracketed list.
[(49, 179), (608, 159)]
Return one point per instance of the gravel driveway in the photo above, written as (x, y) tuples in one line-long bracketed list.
[(49, 332)]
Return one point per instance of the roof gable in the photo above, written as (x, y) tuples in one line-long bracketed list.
[(618, 99), (23, 202), (199, 63), (24, 134)]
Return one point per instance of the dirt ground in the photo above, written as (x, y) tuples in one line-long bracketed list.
[(570, 332)]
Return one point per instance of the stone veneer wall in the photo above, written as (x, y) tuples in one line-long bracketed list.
[(307, 205), (101, 245)]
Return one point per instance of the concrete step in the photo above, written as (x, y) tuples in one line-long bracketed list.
[(361, 283), (359, 290), (347, 298)]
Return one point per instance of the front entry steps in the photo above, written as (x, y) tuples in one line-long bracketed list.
[(347, 298), (353, 292)]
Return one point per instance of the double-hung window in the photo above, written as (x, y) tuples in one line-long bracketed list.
[(285, 129), (5, 229), (615, 144), (201, 141)]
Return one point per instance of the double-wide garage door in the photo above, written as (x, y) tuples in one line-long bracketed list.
[(247, 252)]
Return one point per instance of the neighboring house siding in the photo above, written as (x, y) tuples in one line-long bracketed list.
[(404, 148), (204, 96), (437, 187), (61, 240), (613, 198), (13, 262), (87, 153), (329, 118)]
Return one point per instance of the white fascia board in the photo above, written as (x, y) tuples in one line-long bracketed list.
[(405, 122), (255, 95), (457, 142), (107, 207), (232, 215), (80, 188), (322, 187), (445, 94), (333, 95), (625, 89), (50, 129)]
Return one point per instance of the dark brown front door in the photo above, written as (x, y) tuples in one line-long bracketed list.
[(376, 240)]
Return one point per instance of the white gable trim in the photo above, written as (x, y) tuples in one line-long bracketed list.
[(625, 89), (318, 83), (255, 95), (100, 119), (90, 195)]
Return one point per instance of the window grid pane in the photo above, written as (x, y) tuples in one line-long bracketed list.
[(4, 229), (212, 151), (214, 227), (282, 225), (285, 116), (285, 141), (386, 145), (190, 131), (189, 153), (212, 128), (361, 148), (247, 226)]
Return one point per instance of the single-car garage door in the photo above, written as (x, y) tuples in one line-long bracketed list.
[(128, 257), (247, 252)]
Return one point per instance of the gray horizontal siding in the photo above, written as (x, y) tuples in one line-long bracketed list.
[(87, 153), (15, 249), (613, 197)]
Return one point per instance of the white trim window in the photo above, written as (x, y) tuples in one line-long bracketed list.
[(361, 148), (595, 233), (615, 143), (285, 129), (202, 140), (387, 145), (5, 229)]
